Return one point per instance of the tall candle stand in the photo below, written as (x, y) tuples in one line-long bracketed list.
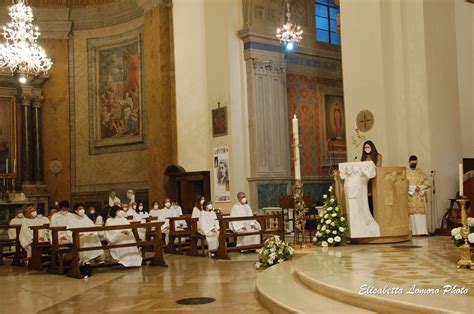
[(465, 249), (299, 214)]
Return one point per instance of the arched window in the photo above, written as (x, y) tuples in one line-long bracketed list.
[(326, 12)]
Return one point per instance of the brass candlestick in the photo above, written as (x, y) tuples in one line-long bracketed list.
[(299, 215), (465, 249)]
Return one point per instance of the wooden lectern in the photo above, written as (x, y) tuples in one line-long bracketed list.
[(390, 200)]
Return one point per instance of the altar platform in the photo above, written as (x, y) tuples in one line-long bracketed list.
[(387, 278)]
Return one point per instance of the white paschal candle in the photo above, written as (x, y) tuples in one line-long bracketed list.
[(296, 143), (461, 181)]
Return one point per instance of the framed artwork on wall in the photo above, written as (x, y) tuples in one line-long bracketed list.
[(116, 101), (7, 135), (334, 144), (219, 121)]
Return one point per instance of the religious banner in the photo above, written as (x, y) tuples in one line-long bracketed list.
[(115, 90), (221, 174)]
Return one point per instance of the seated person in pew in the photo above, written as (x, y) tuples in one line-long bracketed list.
[(17, 220), (60, 219), (241, 209), (87, 239), (94, 216), (163, 215), (132, 212), (127, 256), (198, 206), (51, 213), (26, 234), (177, 212), (142, 215), (154, 211), (44, 221), (208, 225)]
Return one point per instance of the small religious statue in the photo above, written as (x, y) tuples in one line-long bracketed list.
[(418, 184)]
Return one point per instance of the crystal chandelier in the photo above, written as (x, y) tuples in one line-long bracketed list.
[(289, 34), (20, 53)]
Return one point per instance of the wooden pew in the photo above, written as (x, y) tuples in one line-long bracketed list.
[(264, 220), (38, 248), (156, 260), (58, 251), (8, 243), (179, 234), (195, 236)]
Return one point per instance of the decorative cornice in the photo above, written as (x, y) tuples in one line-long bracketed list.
[(268, 67)]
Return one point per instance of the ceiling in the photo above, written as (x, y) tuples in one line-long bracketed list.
[(61, 3)]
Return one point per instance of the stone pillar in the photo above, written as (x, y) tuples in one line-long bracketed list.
[(37, 151), (25, 100)]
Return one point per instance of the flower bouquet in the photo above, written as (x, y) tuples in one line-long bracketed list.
[(457, 237), (274, 251), (332, 225)]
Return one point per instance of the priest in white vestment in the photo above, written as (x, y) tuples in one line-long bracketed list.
[(208, 225), (87, 239), (60, 219), (17, 220), (26, 234), (418, 184), (127, 256), (241, 209), (177, 212), (113, 199)]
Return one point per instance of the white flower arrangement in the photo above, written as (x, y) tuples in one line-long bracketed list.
[(333, 225), (274, 251), (470, 221), (455, 231), (458, 237), (470, 238)]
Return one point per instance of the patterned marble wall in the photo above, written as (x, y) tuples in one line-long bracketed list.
[(269, 194), (305, 101)]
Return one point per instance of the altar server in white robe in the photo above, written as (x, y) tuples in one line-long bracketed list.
[(142, 215), (17, 220), (241, 209), (198, 206), (87, 239), (155, 210), (127, 256), (113, 199), (164, 214), (60, 219), (45, 221), (208, 225), (26, 234), (418, 184), (178, 211)]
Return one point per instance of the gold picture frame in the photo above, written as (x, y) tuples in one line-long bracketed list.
[(219, 122)]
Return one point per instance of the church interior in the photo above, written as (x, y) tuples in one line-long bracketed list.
[(266, 156)]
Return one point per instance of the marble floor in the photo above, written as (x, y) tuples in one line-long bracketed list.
[(430, 264), (146, 289)]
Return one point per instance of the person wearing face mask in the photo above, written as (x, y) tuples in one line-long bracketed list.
[(94, 216), (17, 220), (26, 234), (198, 206), (155, 210), (60, 219), (132, 212), (51, 213), (418, 184), (113, 199), (164, 215), (141, 215), (127, 256), (208, 225), (87, 239), (369, 153), (242, 209), (177, 212)]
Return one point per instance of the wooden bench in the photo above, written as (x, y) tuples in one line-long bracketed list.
[(8, 243), (38, 248), (156, 260), (264, 220), (179, 234)]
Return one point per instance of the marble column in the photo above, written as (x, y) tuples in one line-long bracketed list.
[(25, 103), (37, 151)]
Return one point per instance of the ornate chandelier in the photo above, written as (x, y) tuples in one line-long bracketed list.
[(20, 53), (289, 34)]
